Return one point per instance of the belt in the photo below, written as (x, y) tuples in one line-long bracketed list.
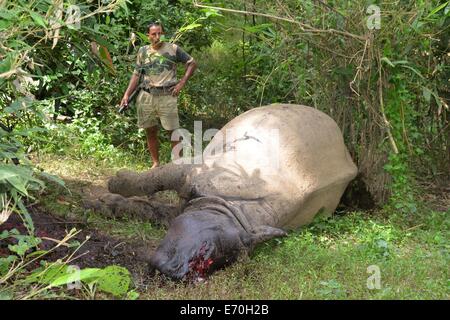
[(159, 91)]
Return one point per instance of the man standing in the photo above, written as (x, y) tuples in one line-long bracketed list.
[(156, 74)]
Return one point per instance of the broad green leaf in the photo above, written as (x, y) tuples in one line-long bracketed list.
[(5, 173), (25, 243), (4, 234), (19, 179), (18, 184), (6, 14), (143, 37), (72, 275), (53, 178), (189, 27), (6, 63), (9, 170), (5, 264), (211, 12), (45, 275), (115, 280), (9, 233), (5, 24), (38, 19), (26, 216)]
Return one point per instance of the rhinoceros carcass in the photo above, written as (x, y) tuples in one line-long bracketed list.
[(269, 170)]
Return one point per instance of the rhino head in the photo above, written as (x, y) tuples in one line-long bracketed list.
[(196, 244)]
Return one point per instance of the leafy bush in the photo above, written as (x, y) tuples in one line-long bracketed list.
[(115, 280)]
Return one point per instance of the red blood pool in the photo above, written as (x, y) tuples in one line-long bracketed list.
[(198, 266)]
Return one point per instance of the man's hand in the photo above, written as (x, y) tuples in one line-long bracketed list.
[(124, 101), (176, 90), (123, 104), (191, 66)]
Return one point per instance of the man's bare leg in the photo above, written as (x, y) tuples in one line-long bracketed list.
[(153, 144), (176, 156)]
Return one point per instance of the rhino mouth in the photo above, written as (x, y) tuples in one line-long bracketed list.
[(197, 268)]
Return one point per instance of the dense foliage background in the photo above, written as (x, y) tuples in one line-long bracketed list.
[(64, 66)]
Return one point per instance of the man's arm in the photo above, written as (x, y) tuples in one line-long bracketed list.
[(131, 87), (190, 68)]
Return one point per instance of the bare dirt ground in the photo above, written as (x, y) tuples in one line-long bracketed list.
[(100, 250)]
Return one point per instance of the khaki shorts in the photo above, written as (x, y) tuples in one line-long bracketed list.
[(151, 107)]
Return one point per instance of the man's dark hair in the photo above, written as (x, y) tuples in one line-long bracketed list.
[(155, 23)]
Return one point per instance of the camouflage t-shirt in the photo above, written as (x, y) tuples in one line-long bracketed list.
[(159, 67)]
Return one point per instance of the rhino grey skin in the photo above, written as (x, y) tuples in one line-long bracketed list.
[(252, 191)]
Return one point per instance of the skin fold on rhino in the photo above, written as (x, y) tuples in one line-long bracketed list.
[(269, 170)]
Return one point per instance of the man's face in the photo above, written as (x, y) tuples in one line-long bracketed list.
[(154, 34)]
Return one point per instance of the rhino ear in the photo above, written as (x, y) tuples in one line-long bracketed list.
[(264, 233)]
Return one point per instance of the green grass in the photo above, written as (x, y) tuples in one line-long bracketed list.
[(328, 259)]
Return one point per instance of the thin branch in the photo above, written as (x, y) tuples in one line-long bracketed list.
[(385, 120), (359, 68), (303, 26)]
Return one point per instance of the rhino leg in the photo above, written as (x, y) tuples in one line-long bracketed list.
[(167, 177), (117, 206)]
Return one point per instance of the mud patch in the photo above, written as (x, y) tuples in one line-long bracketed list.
[(99, 251)]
